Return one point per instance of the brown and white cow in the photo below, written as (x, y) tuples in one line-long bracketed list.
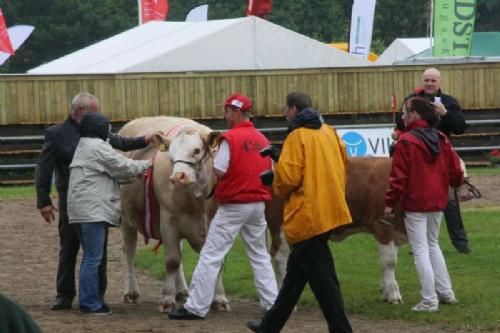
[(367, 180), (183, 179)]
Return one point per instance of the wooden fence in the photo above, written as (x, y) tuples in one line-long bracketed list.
[(29, 99)]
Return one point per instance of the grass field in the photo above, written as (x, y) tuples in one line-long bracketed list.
[(17, 192), (28, 191), (475, 276)]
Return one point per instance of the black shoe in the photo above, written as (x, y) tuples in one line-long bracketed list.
[(61, 304), (102, 311), (254, 326), (464, 250), (183, 314)]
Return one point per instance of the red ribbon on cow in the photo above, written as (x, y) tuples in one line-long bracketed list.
[(150, 206)]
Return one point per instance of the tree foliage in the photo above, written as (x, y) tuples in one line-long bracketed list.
[(64, 26)]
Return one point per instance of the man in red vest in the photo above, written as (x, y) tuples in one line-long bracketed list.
[(241, 197)]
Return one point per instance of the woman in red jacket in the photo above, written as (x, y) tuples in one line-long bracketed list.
[(424, 165)]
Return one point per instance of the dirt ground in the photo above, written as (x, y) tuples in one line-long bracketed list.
[(28, 259)]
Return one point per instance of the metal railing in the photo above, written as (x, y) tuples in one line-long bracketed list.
[(269, 130), (17, 166)]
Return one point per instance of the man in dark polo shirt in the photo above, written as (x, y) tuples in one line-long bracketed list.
[(58, 150)]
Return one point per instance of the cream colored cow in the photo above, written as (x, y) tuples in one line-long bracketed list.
[(182, 180)]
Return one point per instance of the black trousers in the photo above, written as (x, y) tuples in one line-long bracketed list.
[(69, 244), (455, 225), (310, 262)]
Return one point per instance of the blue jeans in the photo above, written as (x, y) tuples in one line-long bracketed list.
[(93, 238)]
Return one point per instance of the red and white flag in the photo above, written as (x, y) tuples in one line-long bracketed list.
[(18, 34), (5, 44), (261, 8), (153, 10)]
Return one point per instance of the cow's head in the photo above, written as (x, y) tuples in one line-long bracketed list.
[(190, 153)]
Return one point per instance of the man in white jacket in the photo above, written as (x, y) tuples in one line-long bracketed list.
[(94, 201)]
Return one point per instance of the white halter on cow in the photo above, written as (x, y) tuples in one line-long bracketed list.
[(182, 181), (189, 153)]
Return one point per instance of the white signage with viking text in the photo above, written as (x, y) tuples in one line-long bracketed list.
[(367, 141)]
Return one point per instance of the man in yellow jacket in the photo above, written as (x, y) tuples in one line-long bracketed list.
[(311, 175)]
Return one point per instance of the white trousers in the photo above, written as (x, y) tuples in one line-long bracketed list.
[(423, 233), (248, 220)]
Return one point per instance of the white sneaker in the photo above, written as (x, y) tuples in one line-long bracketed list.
[(447, 299), (426, 306)]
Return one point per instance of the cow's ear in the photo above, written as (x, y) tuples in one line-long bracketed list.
[(160, 141), (213, 139)]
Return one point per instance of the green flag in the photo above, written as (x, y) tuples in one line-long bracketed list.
[(453, 27)]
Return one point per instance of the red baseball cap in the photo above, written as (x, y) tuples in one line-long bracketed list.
[(239, 101)]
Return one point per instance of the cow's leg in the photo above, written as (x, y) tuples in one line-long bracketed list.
[(180, 282), (220, 302), (171, 242), (129, 237), (388, 284), (280, 259)]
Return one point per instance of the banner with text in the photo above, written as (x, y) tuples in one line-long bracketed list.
[(153, 10), (367, 141), (363, 12), (453, 27)]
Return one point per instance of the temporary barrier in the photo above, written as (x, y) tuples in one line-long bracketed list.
[(29, 99)]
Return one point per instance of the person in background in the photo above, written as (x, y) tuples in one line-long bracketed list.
[(241, 197), (311, 176), (94, 201), (57, 152), (13, 319), (451, 122), (424, 166)]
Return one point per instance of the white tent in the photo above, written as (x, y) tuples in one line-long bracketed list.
[(234, 44), (402, 48)]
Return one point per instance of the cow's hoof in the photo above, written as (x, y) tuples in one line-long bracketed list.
[(131, 298), (221, 305), (395, 301), (166, 308), (181, 297)]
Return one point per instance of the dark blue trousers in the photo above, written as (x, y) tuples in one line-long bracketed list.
[(309, 262)]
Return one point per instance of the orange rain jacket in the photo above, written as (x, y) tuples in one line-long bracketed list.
[(311, 175)]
